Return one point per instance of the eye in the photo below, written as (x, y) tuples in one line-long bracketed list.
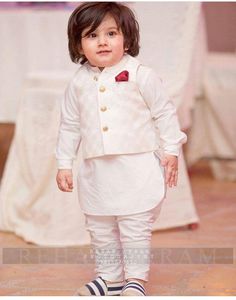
[(112, 33), (92, 35)]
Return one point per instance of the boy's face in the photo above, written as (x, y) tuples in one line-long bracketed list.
[(105, 46)]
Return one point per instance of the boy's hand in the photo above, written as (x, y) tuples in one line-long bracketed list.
[(65, 180), (170, 162)]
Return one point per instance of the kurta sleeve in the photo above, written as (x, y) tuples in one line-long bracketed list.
[(163, 111), (69, 136)]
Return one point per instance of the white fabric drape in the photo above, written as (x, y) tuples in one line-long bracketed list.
[(30, 41)]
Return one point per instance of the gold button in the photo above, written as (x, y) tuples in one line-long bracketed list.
[(105, 128), (95, 78), (103, 108), (102, 89)]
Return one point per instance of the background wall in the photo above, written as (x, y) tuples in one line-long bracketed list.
[(221, 25)]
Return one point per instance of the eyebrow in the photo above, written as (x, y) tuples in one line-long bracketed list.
[(109, 28), (112, 27)]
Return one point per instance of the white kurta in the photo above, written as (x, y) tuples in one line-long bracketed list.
[(121, 184), (126, 183)]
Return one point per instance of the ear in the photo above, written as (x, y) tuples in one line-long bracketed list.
[(81, 51)]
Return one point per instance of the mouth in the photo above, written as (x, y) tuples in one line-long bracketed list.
[(104, 52)]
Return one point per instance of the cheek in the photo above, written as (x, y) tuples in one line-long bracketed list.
[(85, 44), (119, 45), (85, 48)]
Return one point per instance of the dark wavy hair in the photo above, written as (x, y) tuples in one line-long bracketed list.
[(90, 15)]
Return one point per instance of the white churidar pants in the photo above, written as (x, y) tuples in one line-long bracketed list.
[(122, 244)]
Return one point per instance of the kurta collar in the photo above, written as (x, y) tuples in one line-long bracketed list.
[(110, 70)]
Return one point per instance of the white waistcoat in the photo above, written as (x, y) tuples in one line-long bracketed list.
[(106, 116)]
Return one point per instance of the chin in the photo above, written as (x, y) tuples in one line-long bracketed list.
[(103, 65), (107, 64)]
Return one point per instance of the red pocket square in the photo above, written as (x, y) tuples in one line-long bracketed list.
[(122, 76)]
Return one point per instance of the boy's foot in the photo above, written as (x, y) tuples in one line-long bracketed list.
[(133, 288), (99, 287)]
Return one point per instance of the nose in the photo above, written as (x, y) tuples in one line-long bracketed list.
[(102, 40)]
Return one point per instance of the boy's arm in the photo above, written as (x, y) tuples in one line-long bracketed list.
[(165, 119), (69, 136), (162, 110)]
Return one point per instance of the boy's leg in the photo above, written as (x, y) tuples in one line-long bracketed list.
[(135, 236), (105, 240)]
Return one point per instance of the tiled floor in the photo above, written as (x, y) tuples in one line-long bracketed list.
[(173, 274)]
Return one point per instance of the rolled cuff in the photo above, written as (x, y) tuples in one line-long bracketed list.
[(64, 163), (172, 151)]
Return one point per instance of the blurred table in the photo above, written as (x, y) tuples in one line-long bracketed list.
[(214, 124)]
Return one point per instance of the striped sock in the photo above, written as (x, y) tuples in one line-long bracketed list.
[(134, 288), (99, 287), (114, 289)]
